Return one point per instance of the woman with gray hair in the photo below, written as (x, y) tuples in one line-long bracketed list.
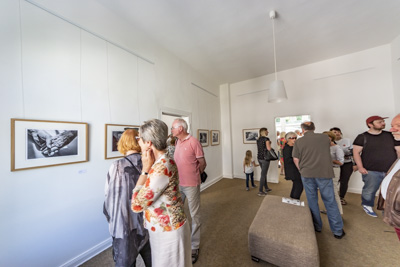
[(157, 195), (291, 171)]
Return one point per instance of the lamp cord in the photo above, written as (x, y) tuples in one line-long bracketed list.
[(273, 35)]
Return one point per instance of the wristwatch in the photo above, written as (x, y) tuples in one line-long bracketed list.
[(144, 173)]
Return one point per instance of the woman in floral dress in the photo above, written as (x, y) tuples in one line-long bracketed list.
[(157, 195)]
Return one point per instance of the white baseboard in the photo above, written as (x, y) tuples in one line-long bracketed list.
[(88, 254), (207, 185), (243, 176)]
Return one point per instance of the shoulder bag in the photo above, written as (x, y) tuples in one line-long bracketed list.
[(270, 155)]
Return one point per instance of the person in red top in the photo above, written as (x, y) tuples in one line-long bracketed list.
[(189, 158)]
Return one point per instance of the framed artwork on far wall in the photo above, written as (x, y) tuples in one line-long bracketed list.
[(202, 136), (250, 136), (215, 137), (112, 135), (40, 143)]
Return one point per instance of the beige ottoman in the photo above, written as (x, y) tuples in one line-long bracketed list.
[(283, 234)]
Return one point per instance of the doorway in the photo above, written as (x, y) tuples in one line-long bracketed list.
[(168, 116), (283, 125)]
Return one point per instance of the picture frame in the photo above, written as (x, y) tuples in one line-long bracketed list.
[(250, 136), (42, 143), (202, 136), (112, 135), (215, 137)]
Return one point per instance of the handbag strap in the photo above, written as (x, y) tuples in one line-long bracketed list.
[(132, 164)]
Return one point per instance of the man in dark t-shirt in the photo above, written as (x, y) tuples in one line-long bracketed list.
[(374, 152)]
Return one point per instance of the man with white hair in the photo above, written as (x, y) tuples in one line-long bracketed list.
[(189, 158), (396, 127), (391, 186)]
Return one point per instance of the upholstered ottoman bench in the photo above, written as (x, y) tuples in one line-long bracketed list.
[(283, 234)]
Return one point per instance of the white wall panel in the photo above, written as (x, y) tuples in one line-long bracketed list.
[(94, 89), (51, 66), (148, 105), (395, 45), (122, 86)]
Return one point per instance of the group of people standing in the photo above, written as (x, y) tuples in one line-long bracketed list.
[(321, 161), (145, 193)]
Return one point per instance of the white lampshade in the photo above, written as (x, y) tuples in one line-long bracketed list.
[(277, 92)]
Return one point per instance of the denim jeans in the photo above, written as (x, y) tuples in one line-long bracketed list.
[(372, 181), (325, 186), (264, 165), (251, 177)]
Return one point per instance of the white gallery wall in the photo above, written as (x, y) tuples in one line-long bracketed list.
[(395, 45), (51, 69), (339, 92)]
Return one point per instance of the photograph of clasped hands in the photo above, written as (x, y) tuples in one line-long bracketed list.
[(51, 143)]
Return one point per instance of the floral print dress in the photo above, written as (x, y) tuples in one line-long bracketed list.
[(159, 198)]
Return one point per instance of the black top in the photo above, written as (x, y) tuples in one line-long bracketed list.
[(261, 147), (291, 171), (378, 152)]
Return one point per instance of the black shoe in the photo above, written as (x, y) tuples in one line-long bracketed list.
[(268, 190), (195, 255), (340, 236)]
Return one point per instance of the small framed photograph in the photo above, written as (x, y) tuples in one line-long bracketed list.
[(214, 137), (112, 135), (202, 135), (39, 144), (250, 136)]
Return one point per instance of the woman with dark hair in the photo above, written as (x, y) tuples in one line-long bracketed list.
[(157, 195), (347, 168), (263, 144), (130, 238), (291, 171)]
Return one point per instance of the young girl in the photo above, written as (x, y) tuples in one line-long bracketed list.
[(248, 165)]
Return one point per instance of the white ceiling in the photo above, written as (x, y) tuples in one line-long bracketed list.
[(231, 40)]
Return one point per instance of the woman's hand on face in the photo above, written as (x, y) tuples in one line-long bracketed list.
[(147, 159)]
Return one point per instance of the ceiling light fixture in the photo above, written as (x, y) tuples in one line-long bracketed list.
[(277, 92)]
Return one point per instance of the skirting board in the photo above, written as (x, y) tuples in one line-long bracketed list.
[(243, 176), (207, 185), (88, 254)]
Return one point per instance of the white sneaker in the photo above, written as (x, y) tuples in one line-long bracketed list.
[(368, 210)]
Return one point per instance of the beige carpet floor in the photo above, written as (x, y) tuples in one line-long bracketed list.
[(228, 210)]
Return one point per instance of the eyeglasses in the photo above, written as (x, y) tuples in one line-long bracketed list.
[(292, 138), (174, 128)]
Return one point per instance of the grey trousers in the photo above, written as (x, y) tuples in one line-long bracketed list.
[(192, 193), (264, 165)]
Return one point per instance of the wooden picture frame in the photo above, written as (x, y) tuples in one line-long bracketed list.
[(250, 136), (215, 137), (42, 143), (202, 136), (112, 135)]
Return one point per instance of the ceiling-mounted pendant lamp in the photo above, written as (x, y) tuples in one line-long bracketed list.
[(277, 91)]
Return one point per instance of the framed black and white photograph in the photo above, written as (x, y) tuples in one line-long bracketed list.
[(202, 135), (250, 136), (112, 135), (214, 137), (38, 143)]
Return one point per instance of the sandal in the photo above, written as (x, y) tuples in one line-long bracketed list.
[(343, 201), (195, 255)]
